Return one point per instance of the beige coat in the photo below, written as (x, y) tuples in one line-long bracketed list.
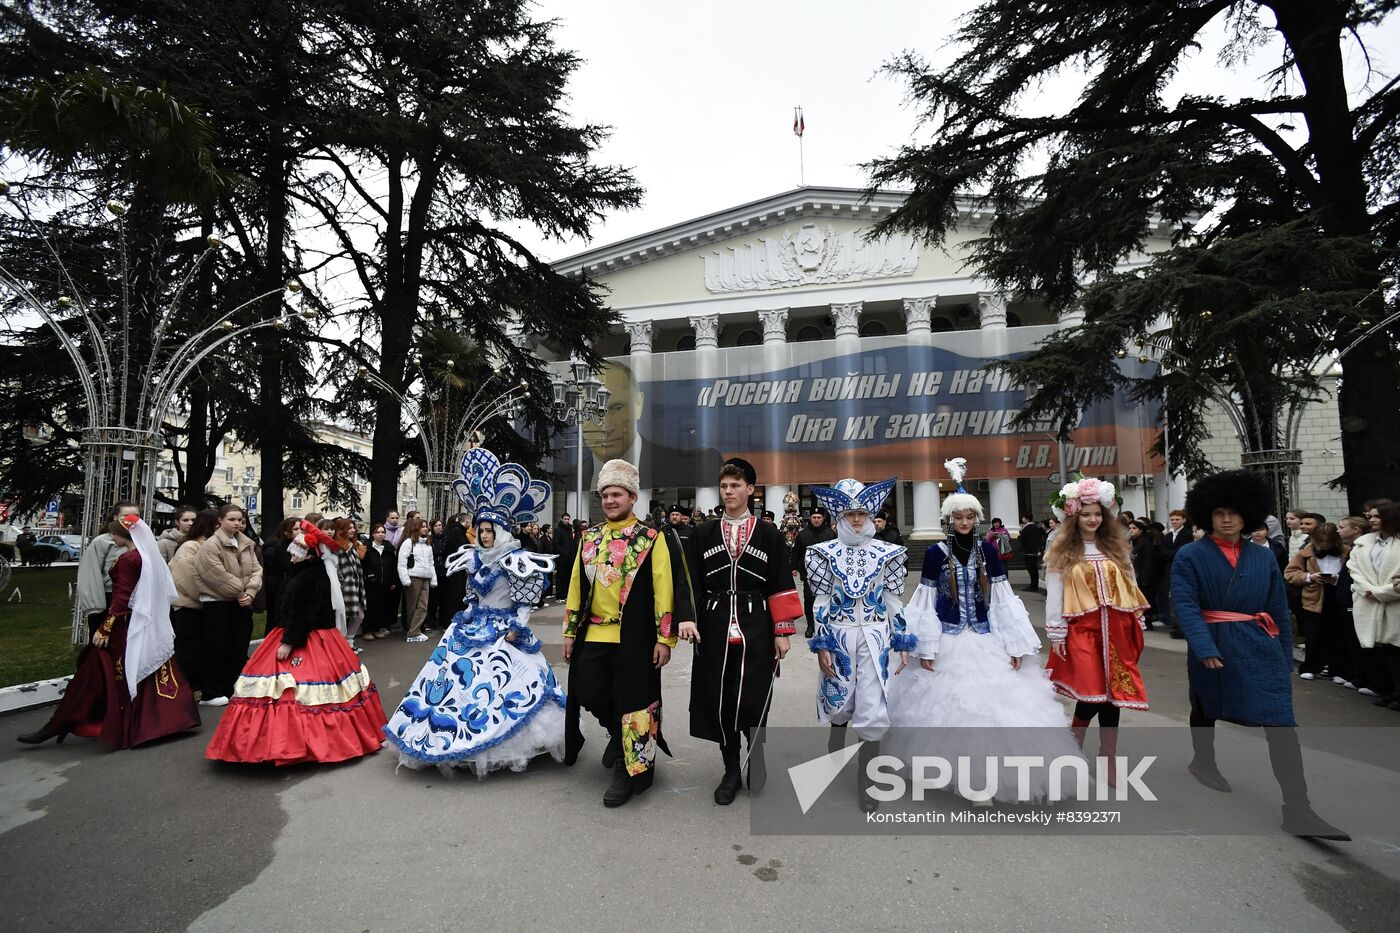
[(228, 568), (1303, 564), (1375, 603), (184, 568)]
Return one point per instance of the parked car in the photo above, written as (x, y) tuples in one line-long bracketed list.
[(68, 546)]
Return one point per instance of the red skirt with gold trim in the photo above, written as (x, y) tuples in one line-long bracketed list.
[(1101, 660), (318, 705)]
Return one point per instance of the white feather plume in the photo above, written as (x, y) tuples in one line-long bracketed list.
[(957, 468)]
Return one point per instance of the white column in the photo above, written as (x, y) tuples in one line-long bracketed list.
[(706, 328), (1134, 497), (571, 504), (1072, 317), (774, 326), (773, 500), (918, 318), (706, 498), (640, 333), (926, 506), (643, 507), (847, 318), (1003, 502), (991, 310)]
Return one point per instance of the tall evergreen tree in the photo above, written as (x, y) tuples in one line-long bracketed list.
[(1305, 176)]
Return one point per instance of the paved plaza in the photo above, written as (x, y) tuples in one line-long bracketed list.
[(160, 839)]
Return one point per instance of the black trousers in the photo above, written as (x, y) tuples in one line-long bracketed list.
[(595, 674), (809, 599), (228, 627), (1032, 562), (189, 645)]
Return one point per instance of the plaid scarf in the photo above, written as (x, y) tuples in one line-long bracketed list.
[(352, 582)]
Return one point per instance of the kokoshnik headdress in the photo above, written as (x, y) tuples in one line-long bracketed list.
[(500, 493), (853, 496), (961, 500)]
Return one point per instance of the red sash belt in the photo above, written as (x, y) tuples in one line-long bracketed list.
[(1264, 620)]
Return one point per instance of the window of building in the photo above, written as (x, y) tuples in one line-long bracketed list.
[(808, 333), (1013, 319), (296, 503), (749, 338), (687, 342), (873, 329), (941, 325), (228, 474)]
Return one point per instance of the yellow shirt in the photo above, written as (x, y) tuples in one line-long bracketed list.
[(614, 553)]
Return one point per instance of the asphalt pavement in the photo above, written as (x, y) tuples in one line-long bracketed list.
[(160, 839)]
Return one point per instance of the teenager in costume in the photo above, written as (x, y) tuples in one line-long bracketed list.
[(303, 696), (859, 585), (1093, 613), (1233, 608), (487, 698), (978, 655), (618, 634), (745, 607), (128, 688)]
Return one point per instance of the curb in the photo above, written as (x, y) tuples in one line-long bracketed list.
[(43, 692)]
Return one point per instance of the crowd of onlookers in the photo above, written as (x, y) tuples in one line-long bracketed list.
[(1343, 579)]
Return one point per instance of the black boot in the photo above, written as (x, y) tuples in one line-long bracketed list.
[(758, 766), (836, 739), (620, 789), (728, 787), (810, 633), (43, 735), (1300, 820), (1286, 758), (612, 751), (1202, 765), (868, 751)]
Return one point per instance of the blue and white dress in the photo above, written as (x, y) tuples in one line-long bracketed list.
[(484, 702), (859, 616)]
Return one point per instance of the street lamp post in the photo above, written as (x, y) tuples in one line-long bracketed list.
[(579, 397)]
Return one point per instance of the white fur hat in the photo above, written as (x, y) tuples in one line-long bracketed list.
[(619, 473), (961, 500)]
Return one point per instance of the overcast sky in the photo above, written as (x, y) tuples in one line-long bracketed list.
[(700, 96)]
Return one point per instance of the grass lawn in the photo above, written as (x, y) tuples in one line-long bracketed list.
[(35, 633)]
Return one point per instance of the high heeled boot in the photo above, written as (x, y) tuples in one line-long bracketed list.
[(40, 736)]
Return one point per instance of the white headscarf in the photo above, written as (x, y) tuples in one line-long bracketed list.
[(150, 641), (849, 536), (505, 543)]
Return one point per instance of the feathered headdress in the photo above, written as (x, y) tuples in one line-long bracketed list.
[(500, 493), (961, 500), (852, 496)]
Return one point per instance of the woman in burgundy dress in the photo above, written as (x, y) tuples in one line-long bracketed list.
[(128, 689)]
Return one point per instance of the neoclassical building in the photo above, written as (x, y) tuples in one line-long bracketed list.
[(776, 330)]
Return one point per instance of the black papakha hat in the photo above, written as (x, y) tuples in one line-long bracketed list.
[(750, 474), (1239, 490)]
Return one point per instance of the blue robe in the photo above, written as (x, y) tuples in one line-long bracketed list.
[(1255, 687)]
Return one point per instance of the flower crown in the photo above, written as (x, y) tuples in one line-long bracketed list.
[(1083, 490)]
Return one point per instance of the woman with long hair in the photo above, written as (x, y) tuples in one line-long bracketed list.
[(276, 564), (380, 567), (229, 578), (1317, 569), (1093, 613), (348, 554), (417, 575)]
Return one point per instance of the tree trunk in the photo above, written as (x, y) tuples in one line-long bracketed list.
[(1368, 401), (272, 448), (396, 319)]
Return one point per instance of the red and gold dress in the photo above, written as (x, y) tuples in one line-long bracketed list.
[(1094, 610), (98, 703), (316, 705)]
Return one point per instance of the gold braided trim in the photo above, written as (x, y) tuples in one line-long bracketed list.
[(306, 694)]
